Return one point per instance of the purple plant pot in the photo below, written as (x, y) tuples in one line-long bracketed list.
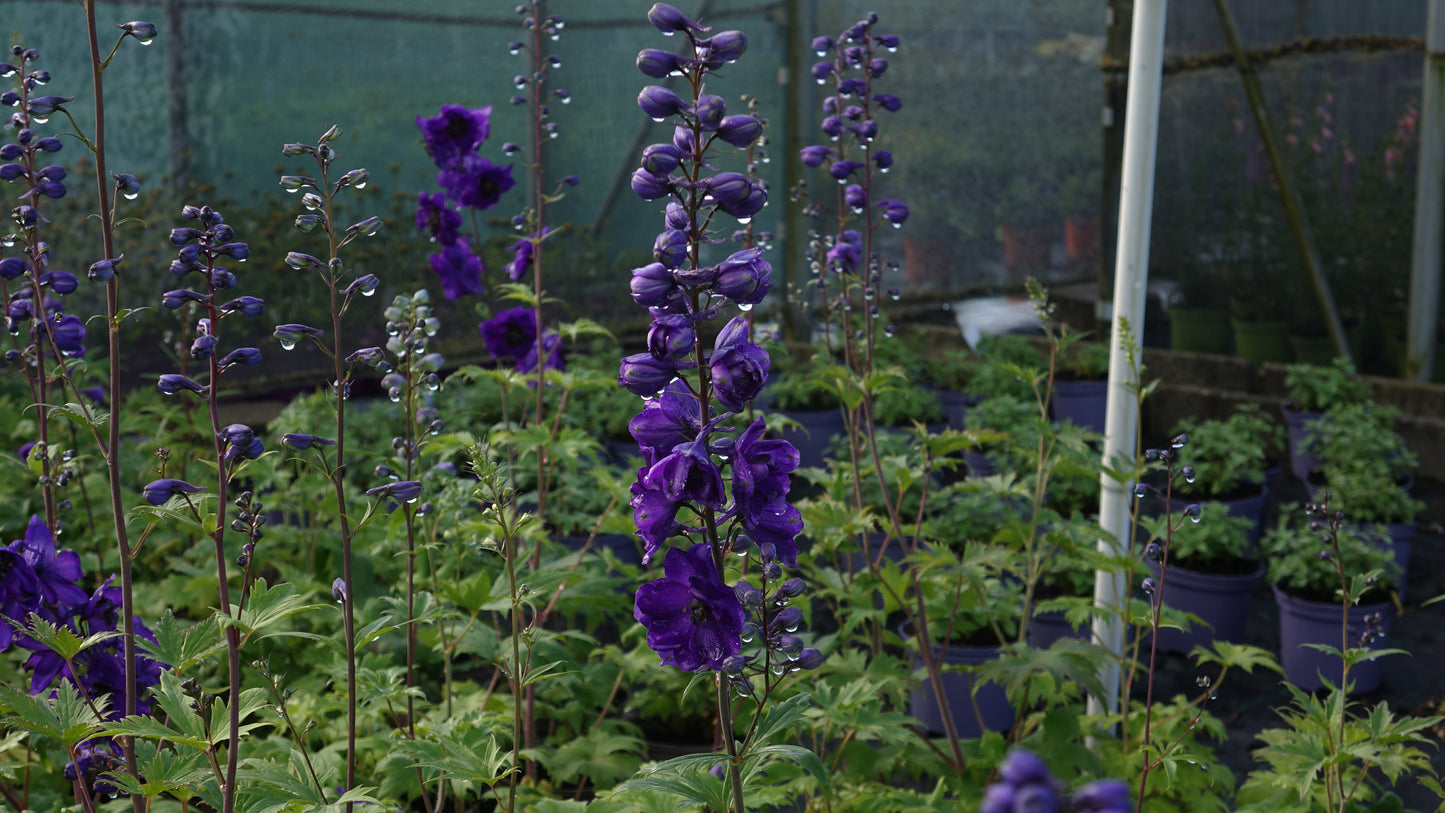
[(1084, 402), (955, 405), (1303, 622), (1052, 625), (973, 712), (1398, 538), (1251, 508), (1296, 424), (815, 430), (1221, 600)]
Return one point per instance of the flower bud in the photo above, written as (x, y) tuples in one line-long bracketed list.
[(669, 20), (643, 375), (659, 102), (658, 63), (158, 492), (670, 248), (648, 186), (739, 130), (661, 159), (246, 356), (143, 31), (172, 383), (710, 110), (671, 338)]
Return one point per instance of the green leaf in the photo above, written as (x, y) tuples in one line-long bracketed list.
[(60, 639), (63, 716), (686, 776), (267, 607), (486, 763), (182, 644), (796, 753), (781, 716)]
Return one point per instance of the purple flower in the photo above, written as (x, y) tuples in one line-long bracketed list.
[(745, 277), (522, 254), (855, 197), (888, 102), (760, 488), (143, 31), (658, 63), (19, 590), (338, 589), (551, 345), (644, 375), (739, 367), (693, 619), (69, 334), (245, 356), (688, 474), (648, 186), (723, 47), (654, 515), (653, 286), (401, 490), (671, 337), (670, 248), (1104, 796), (475, 182), (159, 492), (883, 159), (301, 442), (172, 383), (660, 160), (710, 110), (436, 217), (460, 270), (673, 417), (740, 130), (659, 102), (510, 334), (453, 133), (292, 333), (842, 169), (246, 306), (894, 211), (56, 572), (669, 20)]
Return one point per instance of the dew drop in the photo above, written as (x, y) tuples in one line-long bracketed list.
[(40, 119), (745, 308), (659, 120), (131, 195), (778, 669), (1189, 479), (566, 100), (1194, 518), (368, 291), (360, 185), (894, 294), (745, 220), (288, 344), (890, 331)]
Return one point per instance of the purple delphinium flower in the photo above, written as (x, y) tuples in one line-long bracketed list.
[(761, 483), (158, 492), (739, 367), (522, 255), (693, 618), (460, 269), (437, 218), (454, 133), (19, 590), (475, 182), (670, 419), (510, 334), (55, 571)]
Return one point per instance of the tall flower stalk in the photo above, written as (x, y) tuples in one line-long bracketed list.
[(683, 507), (342, 286)]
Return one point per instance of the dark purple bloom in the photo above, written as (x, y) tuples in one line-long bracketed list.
[(61, 282), (739, 367), (56, 572), (1104, 796), (851, 87), (688, 473), (44, 106), (659, 102), (673, 417), (822, 70), (13, 268), (760, 491), (883, 159), (693, 619), (710, 110), (658, 63), (103, 270), (894, 211), (740, 130), (648, 186), (842, 169), (19, 590), (670, 248), (644, 375), (510, 334), (876, 67), (888, 102), (246, 451), (724, 47), (338, 589), (292, 333), (855, 197), (69, 334), (247, 356), (669, 20), (654, 286), (846, 252), (203, 347), (436, 217), (475, 182), (661, 159), (522, 254), (460, 269), (401, 490), (671, 338), (301, 442), (158, 492), (245, 305), (551, 345), (745, 277), (454, 132), (172, 383)]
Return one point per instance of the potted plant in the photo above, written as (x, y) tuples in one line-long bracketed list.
[(971, 612), (1199, 322), (1307, 590), (1260, 333), (1312, 389), (1230, 461), (1081, 386), (1211, 572), (1366, 466), (953, 374)]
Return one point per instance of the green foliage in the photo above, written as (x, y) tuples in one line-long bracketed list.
[(1216, 543), (1229, 455), (1316, 388), (1298, 562)]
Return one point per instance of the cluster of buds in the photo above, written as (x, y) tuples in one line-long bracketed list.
[(1025, 784)]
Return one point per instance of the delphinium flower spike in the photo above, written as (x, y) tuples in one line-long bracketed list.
[(701, 494), (343, 285), (203, 244)]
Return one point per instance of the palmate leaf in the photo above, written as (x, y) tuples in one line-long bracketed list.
[(758, 759), (166, 772), (62, 716), (1237, 656), (182, 644), (603, 756), (267, 607), (778, 718), (60, 639), (686, 777), (483, 762)]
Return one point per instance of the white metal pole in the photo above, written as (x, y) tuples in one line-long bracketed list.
[(1429, 189), (1131, 276)]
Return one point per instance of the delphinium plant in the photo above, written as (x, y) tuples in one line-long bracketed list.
[(1329, 755), (343, 285), (723, 608)]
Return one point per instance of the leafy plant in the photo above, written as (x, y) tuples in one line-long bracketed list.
[(1216, 543), (1300, 564), (1317, 388), (1229, 456)]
